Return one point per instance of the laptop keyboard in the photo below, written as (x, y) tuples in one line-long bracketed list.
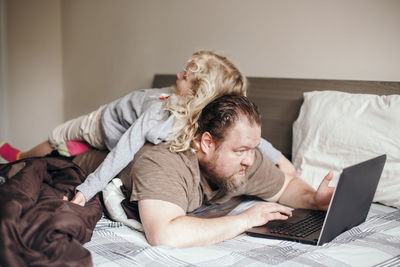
[(313, 222)]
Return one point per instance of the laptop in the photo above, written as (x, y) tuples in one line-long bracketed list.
[(348, 207)]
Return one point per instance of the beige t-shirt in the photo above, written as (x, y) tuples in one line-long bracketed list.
[(160, 174)]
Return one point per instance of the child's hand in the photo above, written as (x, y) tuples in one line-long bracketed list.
[(79, 199)]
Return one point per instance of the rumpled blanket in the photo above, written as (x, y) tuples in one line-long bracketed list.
[(38, 227)]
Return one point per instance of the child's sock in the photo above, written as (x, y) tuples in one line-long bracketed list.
[(8, 152), (72, 148)]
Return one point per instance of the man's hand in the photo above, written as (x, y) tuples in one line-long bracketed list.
[(324, 193), (296, 193), (264, 212), (79, 199)]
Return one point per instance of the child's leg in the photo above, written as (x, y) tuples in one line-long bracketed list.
[(67, 138), (86, 128), (72, 148), (78, 135), (38, 151), (12, 154), (70, 138), (8, 152)]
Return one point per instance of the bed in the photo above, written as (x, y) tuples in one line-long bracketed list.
[(287, 106), (376, 242)]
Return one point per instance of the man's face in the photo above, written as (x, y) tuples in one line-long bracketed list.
[(227, 164)]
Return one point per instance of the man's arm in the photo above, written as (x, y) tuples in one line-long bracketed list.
[(165, 223), (297, 193), (286, 166)]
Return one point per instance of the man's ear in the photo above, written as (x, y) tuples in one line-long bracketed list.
[(207, 144)]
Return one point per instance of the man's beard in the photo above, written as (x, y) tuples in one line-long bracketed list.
[(230, 184)]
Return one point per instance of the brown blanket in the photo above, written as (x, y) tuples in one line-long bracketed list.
[(37, 227)]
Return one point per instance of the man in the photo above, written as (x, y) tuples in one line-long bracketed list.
[(224, 163)]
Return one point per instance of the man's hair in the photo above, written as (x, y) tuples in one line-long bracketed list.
[(214, 75), (221, 114)]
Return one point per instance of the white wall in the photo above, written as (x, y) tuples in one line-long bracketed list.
[(112, 47)]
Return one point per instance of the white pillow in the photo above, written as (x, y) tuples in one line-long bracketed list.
[(335, 130)]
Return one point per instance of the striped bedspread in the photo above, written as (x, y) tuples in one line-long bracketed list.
[(376, 242)]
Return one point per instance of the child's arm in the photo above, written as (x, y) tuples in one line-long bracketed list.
[(122, 154), (276, 157)]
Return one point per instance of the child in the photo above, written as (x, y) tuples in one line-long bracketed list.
[(154, 115)]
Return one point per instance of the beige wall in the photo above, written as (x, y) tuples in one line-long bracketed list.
[(35, 88), (4, 119), (112, 47)]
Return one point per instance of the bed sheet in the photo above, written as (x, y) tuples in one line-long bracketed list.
[(376, 242)]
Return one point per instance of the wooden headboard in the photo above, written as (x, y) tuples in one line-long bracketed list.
[(280, 99)]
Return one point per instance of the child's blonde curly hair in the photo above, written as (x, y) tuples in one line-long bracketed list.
[(213, 76)]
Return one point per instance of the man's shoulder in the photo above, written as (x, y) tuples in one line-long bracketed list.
[(151, 149), (161, 152)]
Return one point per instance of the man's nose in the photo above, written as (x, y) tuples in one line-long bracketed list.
[(248, 159)]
